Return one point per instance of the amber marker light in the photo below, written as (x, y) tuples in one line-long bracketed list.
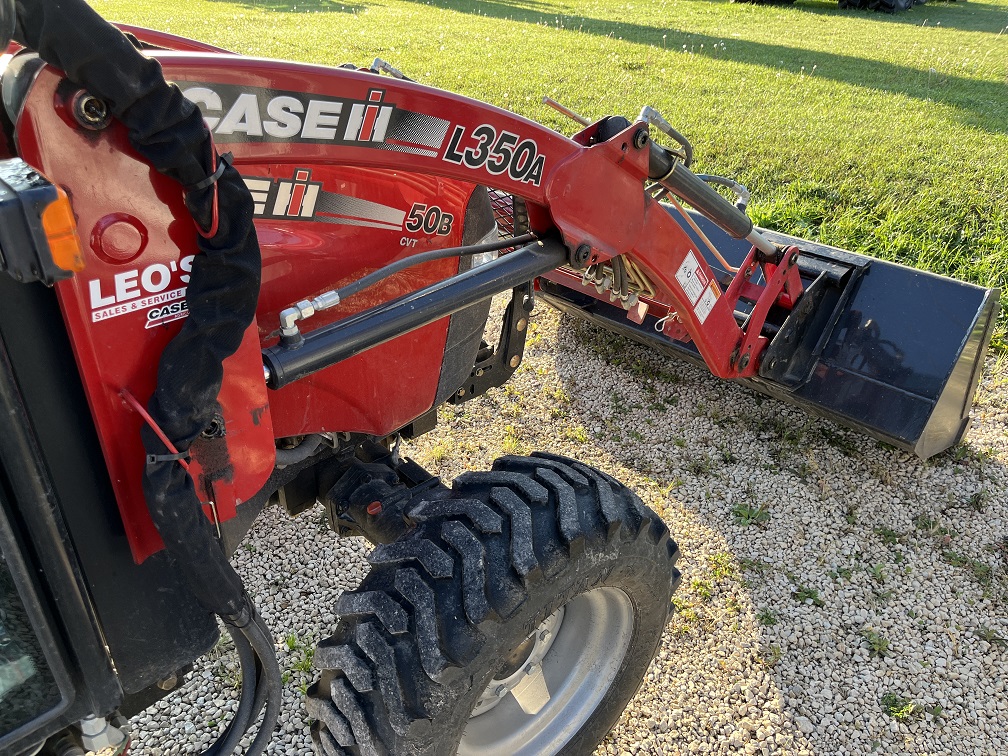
[(61, 233)]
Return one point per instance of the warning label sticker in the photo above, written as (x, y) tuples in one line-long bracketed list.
[(692, 278), (707, 301)]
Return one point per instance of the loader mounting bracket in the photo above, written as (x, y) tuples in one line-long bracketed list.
[(794, 352), (494, 367)]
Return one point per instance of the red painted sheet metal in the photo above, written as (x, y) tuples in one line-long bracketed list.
[(311, 250), (128, 303)]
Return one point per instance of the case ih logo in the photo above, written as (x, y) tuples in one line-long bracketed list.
[(285, 199), (300, 198), (244, 114)]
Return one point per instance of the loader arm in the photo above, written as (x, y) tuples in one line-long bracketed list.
[(587, 189)]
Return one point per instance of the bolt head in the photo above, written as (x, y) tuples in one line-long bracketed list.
[(168, 683), (581, 256), (502, 691)]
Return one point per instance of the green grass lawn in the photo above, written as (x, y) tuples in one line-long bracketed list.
[(887, 135)]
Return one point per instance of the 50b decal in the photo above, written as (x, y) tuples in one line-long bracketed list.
[(430, 220), (501, 152)]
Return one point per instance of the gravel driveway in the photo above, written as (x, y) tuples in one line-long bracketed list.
[(838, 597)]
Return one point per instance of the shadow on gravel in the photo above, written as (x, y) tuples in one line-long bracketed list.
[(837, 594)]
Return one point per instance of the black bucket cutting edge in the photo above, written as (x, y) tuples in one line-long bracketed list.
[(888, 350)]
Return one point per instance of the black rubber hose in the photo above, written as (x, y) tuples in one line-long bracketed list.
[(740, 191), (308, 446), (244, 715), (262, 643), (435, 254), (618, 276)]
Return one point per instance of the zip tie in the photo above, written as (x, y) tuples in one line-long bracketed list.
[(175, 456), (222, 162), (153, 459)]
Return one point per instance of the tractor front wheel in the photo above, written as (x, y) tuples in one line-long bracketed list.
[(519, 616)]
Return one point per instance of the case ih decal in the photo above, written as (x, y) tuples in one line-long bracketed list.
[(242, 114), (301, 198)]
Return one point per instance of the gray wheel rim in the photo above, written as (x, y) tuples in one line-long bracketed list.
[(578, 666)]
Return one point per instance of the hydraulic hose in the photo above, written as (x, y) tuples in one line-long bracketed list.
[(435, 254), (245, 713), (262, 643), (740, 191), (308, 446)]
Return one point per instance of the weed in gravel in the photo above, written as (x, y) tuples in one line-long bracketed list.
[(900, 708), (747, 514), (927, 522), (754, 565), (846, 573), (766, 617), (839, 441), (722, 566), (987, 634), (686, 614), (982, 571), (978, 500), (877, 643), (700, 465), (877, 572), (850, 513), (703, 589), (438, 453), (511, 443), (882, 597), (727, 455), (805, 595), (576, 433), (771, 656), (305, 658), (889, 536)]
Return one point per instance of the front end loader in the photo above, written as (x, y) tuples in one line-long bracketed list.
[(245, 287)]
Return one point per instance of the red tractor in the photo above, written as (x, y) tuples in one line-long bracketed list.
[(189, 333)]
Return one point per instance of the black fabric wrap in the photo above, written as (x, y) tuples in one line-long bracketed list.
[(169, 132), (6, 23)]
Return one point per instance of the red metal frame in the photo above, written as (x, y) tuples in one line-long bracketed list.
[(355, 135)]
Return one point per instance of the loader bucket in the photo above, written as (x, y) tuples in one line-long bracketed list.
[(887, 350)]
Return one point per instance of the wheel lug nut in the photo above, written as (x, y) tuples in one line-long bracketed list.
[(531, 669), (502, 691)]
